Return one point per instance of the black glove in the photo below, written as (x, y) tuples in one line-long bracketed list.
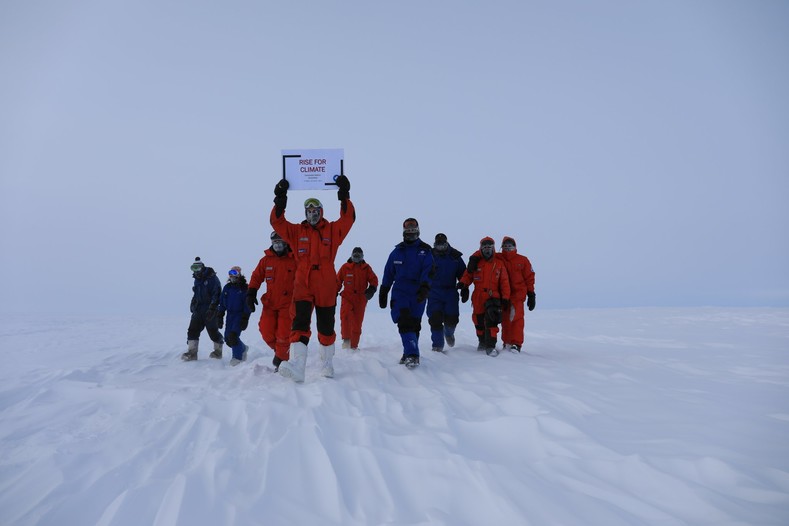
[(210, 313), (531, 302), (463, 292), (220, 319), (473, 261), (244, 323), (383, 296), (281, 194), (343, 188), (370, 292), (422, 292), (252, 299)]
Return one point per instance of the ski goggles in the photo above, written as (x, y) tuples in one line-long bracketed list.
[(312, 203), (197, 267), (233, 272), (507, 247)]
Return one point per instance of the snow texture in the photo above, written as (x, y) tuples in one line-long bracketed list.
[(611, 417)]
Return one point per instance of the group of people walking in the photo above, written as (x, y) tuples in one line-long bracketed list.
[(299, 272)]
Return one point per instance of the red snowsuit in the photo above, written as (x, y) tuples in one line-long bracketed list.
[(353, 279), (521, 276), (491, 287), (315, 248), (276, 316)]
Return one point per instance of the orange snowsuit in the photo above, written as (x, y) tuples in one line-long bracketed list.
[(276, 316), (491, 287), (315, 248), (353, 279), (521, 276)]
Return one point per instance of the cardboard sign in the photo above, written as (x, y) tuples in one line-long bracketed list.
[(312, 169)]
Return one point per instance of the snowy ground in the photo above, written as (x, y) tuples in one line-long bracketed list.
[(613, 417)]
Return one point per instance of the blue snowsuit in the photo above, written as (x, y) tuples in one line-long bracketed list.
[(233, 301), (409, 266), (206, 291), (443, 311)]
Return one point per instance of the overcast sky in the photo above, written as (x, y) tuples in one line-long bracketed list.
[(637, 151)]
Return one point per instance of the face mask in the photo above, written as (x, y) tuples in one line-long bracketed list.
[(313, 215), (278, 246), (487, 251)]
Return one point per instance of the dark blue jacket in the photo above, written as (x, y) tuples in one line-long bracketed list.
[(408, 266), (449, 267), (206, 291), (233, 301)]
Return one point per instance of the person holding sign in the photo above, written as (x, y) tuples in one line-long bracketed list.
[(315, 242)]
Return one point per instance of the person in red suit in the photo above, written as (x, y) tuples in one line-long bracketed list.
[(358, 283), (521, 276), (491, 293), (277, 269), (315, 242)]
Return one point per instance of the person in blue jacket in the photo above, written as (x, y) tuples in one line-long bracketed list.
[(205, 301), (443, 312), (234, 301), (408, 273)]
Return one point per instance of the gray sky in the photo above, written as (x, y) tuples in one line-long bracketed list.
[(637, 151)]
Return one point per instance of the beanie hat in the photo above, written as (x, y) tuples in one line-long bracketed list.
[(237, 270), (486, 241), (508, 241), (197, 265), (410, 224), (441, 238), (357, 250), (275, 236)]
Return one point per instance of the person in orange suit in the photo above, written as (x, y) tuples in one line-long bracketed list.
[(358, 283), (315, 242), (277, 269), (491, 293), (521, 276)]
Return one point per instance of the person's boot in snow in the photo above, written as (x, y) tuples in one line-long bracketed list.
[(294, 367), (217, 352), (346, 343), (275, 362), (191, 351), (326, 353)]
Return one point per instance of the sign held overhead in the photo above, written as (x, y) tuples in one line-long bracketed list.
[(312, 169)]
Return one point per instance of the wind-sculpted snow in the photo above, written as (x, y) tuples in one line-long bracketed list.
[(611, 417)]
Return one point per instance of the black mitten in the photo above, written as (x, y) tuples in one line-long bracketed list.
[(473, 262), (343, 188), (252, 299), (244, 322), (531, 301), (463, 292), (383, 296), (281, 194), (422, 292), (220, 319), (370, 292)]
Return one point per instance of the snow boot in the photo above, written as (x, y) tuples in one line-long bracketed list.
[(191, 351), (402, 359), (515, 348), (217, 352), (449, 336), (346, 343), (326, 353), (438, 349), (275, 362), (412, 361), (294, 367)]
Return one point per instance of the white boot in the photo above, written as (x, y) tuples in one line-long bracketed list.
[(191, 351), (294, 367), (326, 353)]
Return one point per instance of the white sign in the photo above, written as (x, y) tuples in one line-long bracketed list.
[(312, 169)]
